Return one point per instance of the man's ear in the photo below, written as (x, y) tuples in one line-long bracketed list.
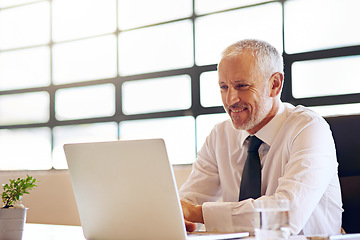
[(276, 84)]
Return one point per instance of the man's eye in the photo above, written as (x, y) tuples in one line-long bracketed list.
[(242, 86), (224, 87)]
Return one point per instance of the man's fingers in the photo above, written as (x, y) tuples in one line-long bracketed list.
[(190, 226)]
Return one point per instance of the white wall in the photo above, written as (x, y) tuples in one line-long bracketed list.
[(53, 201)]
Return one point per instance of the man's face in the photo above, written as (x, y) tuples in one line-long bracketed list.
[(244, 92)]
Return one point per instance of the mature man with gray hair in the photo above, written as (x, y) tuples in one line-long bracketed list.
[(296, 148)]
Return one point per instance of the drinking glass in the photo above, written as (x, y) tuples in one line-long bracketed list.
[(272, 219)]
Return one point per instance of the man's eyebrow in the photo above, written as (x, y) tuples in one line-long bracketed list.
[(234, 82), (239, 81)]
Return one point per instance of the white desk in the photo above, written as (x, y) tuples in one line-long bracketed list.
[(63, 232), (52, 232)]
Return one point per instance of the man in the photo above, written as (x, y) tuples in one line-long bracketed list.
[(297, 152)]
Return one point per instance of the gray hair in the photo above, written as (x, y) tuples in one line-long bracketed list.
[(267, 57)]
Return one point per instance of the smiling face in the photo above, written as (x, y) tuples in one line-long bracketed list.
[(246, 95)]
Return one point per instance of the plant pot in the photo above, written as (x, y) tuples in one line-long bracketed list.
[(12, 222)]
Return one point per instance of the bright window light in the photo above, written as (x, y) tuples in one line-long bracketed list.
[(156, 95), (25, 68), (11, 3), (158, 48), (337, 110), (313, 78), (209, 89), (136, 13), (314, 25), (85, 60), (85, 102), (26, 25), (204, 125), (24, 108), (178, 133), (84, 18), (217, 31), (25, 149), (207, 6), (95, 132)]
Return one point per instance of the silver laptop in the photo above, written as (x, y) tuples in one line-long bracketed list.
[(126, 190)]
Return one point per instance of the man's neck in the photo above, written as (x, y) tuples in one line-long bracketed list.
[(272, 113)]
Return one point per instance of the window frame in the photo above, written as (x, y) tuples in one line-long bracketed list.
[(194, 72)]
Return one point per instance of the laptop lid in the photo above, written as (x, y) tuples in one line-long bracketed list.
[(125, 190)]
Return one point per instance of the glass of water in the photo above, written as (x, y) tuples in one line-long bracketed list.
[(272, 219)]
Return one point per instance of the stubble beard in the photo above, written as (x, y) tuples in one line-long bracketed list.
[(262, 109)]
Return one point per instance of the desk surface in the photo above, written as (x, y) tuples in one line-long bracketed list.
[(61, 232), (52, 232)]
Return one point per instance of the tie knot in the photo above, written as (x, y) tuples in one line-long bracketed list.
[(254, 144)]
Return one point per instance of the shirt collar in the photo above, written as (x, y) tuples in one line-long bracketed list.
[(269, 131)]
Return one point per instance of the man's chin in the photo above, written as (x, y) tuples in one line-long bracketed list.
[(238, 126)]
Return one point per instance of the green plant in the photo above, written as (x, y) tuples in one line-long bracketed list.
[(17, 187)]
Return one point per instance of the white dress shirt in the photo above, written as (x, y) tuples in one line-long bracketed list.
[(298, 161)]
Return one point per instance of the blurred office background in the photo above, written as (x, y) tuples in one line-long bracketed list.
[(99, 70)]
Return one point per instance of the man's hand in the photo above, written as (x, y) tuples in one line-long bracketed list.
[(192, 214)]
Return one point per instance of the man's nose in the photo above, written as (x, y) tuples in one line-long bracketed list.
[(232, 96)]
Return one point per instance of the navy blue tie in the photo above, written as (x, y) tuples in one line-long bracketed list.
[(250, 186)]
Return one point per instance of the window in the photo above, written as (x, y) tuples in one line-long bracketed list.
[(84, 60), (80, 133), (24, 26), (92, 70), (318, 27), (177, 132), (25, 148), (216, 31), (312, 78), (156, 48), (26, 68), (22, 108), (85, 102), (167, 93)]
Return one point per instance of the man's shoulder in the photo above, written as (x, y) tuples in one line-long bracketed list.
[(300, 117), (301, 113)]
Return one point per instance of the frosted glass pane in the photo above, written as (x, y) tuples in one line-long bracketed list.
[(313, 78), (25, 68), (215, 32), (82, 18), (209, 89), (337, 110), (24, 108), (313, 25), (96, 132), (178, 133), (85, 102), (24, 26), (157, 48), (157, 94), (204, 125), (207, 6), (85, 60), (136, 13), (10, 3), (25, 149)]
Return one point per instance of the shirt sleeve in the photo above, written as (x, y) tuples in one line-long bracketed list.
[(203, 184)]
